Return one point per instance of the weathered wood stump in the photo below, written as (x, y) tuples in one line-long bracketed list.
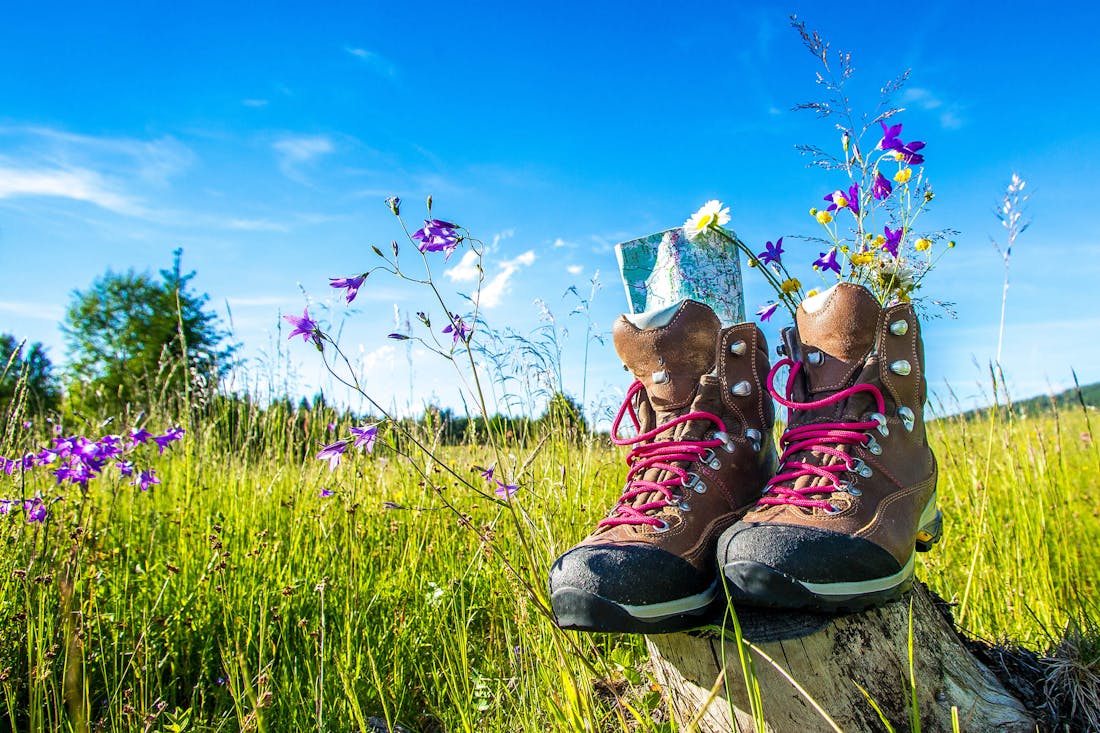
[(831, 657)]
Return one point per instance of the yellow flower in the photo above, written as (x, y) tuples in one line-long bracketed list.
[(839, 200), (862, 258), (903, 175), (813, 212), (878, 241), (823, 217), (790, 286), (951, 244), (712, 214), (812, 293), (922, 245), (845, 249)]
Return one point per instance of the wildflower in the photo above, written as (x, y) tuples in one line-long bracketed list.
[(172, 435), (790, 286), (458, 329), (922, 244), (27, 425), (125, 468), (827, 261), (394, 202), (487, 474), (352, 284), (903, 151), (326, 493), (767, 311), (862, 258), (840, 201), (812, 293), (437, 236), (145, 479), (892, 240), (772, 252), (333, 453), (903, 175), (305, 326), (878, 241), (712, 214), (823, 217), (881, 188), (505, 491), (365, 437), (139, 435), (35, 509)]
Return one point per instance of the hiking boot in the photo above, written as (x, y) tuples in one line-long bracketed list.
[(855, 494), (701, 453)]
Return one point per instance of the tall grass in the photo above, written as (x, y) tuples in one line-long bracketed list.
[(234, 596)]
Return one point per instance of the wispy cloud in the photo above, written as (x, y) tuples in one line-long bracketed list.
[(376, 62), (560, 243), (43, 311), (575, 269), (78, 184), (256, 225), (921, 98), (500, 285), (466, 270), (295, 151)]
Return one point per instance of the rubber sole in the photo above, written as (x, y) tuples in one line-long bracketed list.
[(756, 584), (581, 610)]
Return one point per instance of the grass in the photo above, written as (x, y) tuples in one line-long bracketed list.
[(234, 597)]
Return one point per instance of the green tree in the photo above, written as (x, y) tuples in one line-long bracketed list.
[(26, 377), (135, 340)]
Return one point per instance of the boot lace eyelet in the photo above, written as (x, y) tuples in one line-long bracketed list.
[(662, 527)]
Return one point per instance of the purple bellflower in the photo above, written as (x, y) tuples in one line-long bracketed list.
[(305, 327), (881, 188), (891, 141), (767, 311), (772, 252), (505, 491), (333, 453), (458, 329), (326, 493), (145, 479), (352, 284), (893, 240), (437, 236), (365, 437), (851, 199), (487, 474), (827, 261), (172, 435)]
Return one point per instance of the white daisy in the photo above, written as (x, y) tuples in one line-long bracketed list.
[(712, 214)]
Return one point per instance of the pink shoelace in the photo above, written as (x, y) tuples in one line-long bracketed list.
[(662, 455), (819, 438)]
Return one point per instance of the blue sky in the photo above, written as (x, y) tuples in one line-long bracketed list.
[(264, 140)]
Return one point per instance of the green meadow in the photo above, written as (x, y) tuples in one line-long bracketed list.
[(234, 596)]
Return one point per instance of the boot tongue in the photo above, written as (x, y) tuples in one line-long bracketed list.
[(669, 351), (837, 331)]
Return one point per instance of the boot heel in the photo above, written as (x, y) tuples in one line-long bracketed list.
[(930, 534)]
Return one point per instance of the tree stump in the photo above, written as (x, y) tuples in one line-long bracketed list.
[(828, 656)]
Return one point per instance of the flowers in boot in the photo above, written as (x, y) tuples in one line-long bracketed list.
[(885, 190)]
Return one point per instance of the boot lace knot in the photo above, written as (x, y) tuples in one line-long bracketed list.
[(820, 438), (664, 455)]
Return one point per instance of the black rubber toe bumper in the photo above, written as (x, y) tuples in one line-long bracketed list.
[(630, 588), (794, 567)]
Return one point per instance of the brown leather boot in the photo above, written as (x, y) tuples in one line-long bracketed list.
[(855, 493), (701, 454)]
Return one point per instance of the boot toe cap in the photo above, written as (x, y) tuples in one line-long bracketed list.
[(628, 574), (808, 554)]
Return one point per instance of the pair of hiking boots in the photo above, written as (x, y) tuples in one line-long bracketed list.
[(830, 524)]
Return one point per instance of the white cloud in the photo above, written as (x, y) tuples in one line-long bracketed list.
[(466, 270), (44, 311), (78, 184), (499, 285), (256, 225), (384, 357), (298, 150), (949, 114), (374, 61), (559, 243), (575, 269)]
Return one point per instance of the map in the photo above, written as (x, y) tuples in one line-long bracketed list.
[(664, 268)]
